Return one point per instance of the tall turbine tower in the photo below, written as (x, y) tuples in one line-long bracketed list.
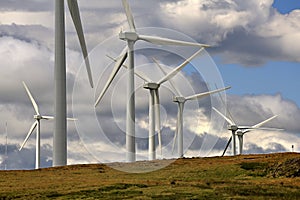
[(60, 132), (131, 37)]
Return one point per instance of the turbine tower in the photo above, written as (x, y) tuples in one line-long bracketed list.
[(131, 37), (241, 130), (37, 124), (60, 132)]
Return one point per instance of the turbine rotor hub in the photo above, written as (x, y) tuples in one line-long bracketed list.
[(179, 99), (38, 117), (239, 133), (232, 127), (151, 86), (131, 36)]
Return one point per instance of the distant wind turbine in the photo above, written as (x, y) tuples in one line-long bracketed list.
[(37, 124), (181, 100), (131, 37), (60, 132), (241, 130)]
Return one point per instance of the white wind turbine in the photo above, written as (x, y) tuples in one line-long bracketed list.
[(131, 37), (241, 130), (181, 100), (37, 124), (154, 102), (60, 132)]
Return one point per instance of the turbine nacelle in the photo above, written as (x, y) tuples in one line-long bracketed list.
[(38, 117), (239, 133), (179, 99), (232, 127), (131, 36), (151, 86)]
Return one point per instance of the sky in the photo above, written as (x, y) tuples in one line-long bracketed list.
[(254, 50)]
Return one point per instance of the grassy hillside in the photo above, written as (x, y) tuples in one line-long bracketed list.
[(272, 176)]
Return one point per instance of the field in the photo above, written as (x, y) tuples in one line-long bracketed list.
[(264, 176)]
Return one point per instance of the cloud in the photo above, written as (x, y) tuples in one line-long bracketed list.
[(26, 5), (251, 109), (247, 33), (240, 35)]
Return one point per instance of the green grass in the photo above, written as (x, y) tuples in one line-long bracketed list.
[(272, 176)]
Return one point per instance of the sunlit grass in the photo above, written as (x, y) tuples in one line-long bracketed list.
[(272, 176)]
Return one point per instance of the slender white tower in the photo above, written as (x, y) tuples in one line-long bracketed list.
[(5, 153), (60, 132)]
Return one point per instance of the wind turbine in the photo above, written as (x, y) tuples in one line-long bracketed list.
[(154, 102), (60, 132), (241, 130), (37, 124), (131, 37), (181, 100)]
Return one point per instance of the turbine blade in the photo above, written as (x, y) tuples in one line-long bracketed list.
[(47, 117), (129, 16), (117, 67), (245, 127), (75, 14), (263, 122), (226, 118), (29, 134), (177, 69), (157, 118), (170, 80), (246, 131), (270, 129), (35, 106), (51, 117), (196, 96), (226, 146), (142, 76), (72, 119), (227, 110), (139, 74), (166, 41)]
